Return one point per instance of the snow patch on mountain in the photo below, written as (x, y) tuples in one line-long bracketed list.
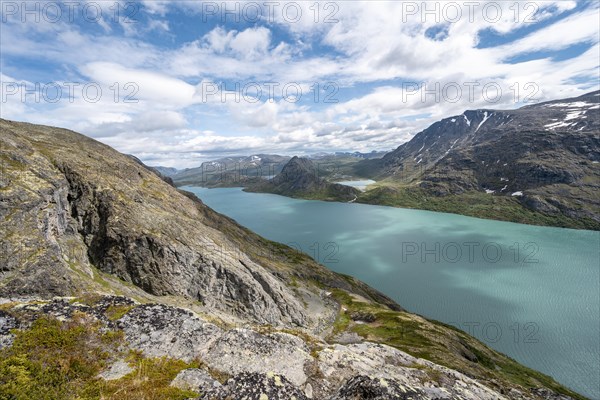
[(485, 118)]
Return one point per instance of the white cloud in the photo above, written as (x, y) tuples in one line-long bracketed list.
[(370, 51), (147, 85), (251, 43)]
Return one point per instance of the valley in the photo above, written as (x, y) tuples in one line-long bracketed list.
[(498, 164)]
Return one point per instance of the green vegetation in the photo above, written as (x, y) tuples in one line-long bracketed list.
[(436, 342), (149, 380), (62, 360), (474, 204), (115, 312)]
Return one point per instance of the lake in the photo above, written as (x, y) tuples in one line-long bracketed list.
[(530, 292), (360, 185)]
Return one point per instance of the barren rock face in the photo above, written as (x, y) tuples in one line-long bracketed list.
[(366, 388), (7, 323), (195, 379), (243, 350), (255, 386), (159, 331)]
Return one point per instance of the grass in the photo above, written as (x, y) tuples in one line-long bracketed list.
[(54, 360), (115, 312), (439, 343), (57, 360), (150, 379)]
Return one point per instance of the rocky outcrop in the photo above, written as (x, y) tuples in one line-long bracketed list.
[(245, 350), (195, 379), (161, 331), (255, 386), (117, 370), (367, 388), (7, 324), (273, 365)]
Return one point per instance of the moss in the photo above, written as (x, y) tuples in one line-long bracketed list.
[(115, 312), (54, 360), (88, 298), (150, 379), (62, 360)]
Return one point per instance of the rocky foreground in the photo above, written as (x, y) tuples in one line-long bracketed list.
[(244, 363)]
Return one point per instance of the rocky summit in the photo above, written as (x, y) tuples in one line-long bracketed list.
[(115, 284)]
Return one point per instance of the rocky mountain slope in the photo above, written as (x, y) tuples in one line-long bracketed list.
[(168, 299), (536, 164), (300, 177)]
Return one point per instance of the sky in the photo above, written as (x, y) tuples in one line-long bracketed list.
[(176, 83)]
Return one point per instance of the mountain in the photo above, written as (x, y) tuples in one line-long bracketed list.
[(537, 164), (232, 171), (254, 169), (300, 177), (343, 154), (115, 284), (72, 214), (166, 171)]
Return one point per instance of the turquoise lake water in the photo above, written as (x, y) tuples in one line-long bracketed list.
[(530, 292)]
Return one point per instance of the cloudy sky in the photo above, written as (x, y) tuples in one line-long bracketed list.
[(179, 82)]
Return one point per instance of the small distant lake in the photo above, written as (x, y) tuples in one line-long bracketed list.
[(360, 185), (530, 292)]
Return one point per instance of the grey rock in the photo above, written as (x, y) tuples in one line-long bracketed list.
[(348, 338), (340, 363), (195, 379), (244, 350), (365, 388), (255, 386), (362, 316), (117, 370), (158, 330), (549, 395), (7, 323)]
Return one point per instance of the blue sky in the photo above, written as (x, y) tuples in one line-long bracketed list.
[(179, 82)]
